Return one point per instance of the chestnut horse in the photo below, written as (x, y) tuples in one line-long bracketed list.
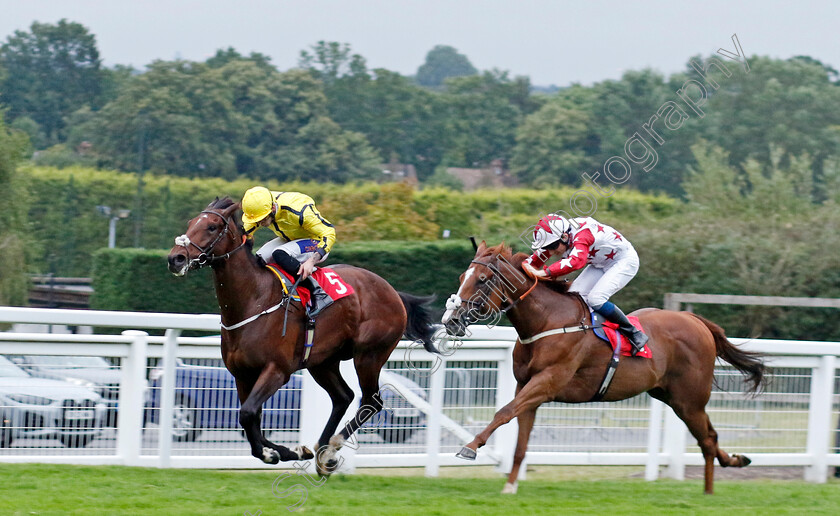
[(570, 366), (364, 326)]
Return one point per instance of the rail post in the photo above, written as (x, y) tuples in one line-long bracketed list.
[(167, 397), (436, 385), (132, 387), (674, 445), (819, 419), (654, 439)]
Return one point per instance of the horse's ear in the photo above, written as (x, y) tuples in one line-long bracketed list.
[(230, 210), (481, 247), (213, 203)]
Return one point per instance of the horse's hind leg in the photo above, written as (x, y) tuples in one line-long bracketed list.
[(701, 428), (267, 383), (367, 369), (727, 461), (329, 377)]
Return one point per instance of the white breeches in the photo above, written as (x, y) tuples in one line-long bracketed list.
[(301, 249), (596, 286)]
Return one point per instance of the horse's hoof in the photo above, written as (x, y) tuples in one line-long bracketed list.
[(510, 488), (326, 469), (466, 453), (744, 460), (270, 456), (304, 453)]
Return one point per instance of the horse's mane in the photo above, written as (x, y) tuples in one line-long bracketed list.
[(225, 203), (506, 252)]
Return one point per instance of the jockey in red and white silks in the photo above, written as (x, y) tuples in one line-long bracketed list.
[(610, 261)]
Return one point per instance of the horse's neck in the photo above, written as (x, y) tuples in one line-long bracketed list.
[(241, 288), (545, 309)]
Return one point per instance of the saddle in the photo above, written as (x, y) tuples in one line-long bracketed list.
[(608, 332), (328, 288)]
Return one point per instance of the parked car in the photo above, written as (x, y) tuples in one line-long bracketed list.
[(206, 398), (95, 373), (43, 408)]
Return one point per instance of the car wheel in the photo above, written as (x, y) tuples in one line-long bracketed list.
[(5, 431), (76, 441), (395, 435), (184, 421)]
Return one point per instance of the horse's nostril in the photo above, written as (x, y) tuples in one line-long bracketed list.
[(176, 262)]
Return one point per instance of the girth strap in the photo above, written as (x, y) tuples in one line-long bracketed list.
[(608, 376)]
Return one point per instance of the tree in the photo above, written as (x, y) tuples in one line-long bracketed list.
[(790, 104), (401, 120), (549, 146), (51, 71), (13, 217), (225, 56), (484, 113), (113, 79), (329, 61), (443, 62), (240, 118)]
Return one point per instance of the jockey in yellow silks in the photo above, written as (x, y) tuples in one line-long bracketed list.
[(304, 237)]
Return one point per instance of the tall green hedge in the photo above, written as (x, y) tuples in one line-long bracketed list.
[(138, 279), (67, 229)]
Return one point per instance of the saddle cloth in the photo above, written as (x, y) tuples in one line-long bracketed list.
[(330, 287), (609, 332)]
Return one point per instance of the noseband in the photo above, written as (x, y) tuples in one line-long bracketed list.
[(204, 257)]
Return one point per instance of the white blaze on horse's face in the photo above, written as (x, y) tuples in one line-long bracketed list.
[(456, 299)]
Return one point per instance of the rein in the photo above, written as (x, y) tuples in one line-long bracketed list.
[(496, 275), (492, 283), (204, 257)]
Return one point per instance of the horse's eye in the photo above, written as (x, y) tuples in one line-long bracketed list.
[(211, 228)]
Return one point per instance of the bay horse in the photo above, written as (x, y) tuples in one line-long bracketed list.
[(364, 326), (568, 365)]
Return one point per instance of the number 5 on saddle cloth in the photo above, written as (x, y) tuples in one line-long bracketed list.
[(328, 287)]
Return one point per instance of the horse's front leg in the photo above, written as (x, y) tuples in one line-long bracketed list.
[(526, 423), (537, 391), (267, 383)]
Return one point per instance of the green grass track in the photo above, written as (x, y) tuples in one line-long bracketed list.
[(27, 489)]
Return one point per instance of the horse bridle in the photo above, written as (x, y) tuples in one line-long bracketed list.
[(483, 291), (205, 258)]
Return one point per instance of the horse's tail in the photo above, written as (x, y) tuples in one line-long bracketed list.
[(748, 362), (419, 325)]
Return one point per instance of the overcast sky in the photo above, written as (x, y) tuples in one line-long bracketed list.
[(553, 42)]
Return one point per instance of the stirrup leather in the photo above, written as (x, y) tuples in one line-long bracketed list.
[(310, 338)]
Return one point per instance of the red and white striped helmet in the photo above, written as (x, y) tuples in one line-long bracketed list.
[(550, 229)]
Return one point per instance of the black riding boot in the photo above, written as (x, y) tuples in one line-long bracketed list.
[(614, 314), (286, 262)]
